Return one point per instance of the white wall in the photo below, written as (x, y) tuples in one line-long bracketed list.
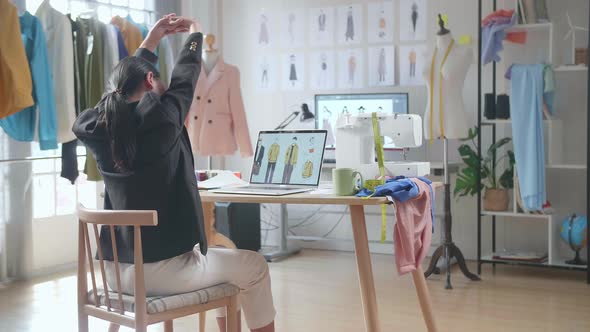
[(236, 22)]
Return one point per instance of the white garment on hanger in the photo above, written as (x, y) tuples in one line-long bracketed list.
[(60, 53), (111, 54)]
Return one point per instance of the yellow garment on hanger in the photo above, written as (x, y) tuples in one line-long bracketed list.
[(441, 116), (16, 86)]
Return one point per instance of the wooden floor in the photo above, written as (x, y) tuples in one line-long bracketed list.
[(317, 291)]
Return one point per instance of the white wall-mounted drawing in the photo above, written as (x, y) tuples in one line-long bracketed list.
[(413, 19), (381, 26), (350, 24), (321, 26), (323, 70), (382, 66), (293, 28), (293, 71), (351, 66), (411, 64)]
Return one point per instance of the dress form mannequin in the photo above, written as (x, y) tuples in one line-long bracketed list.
[(455, 61), (210, 58), (454, 72), (211, 54)]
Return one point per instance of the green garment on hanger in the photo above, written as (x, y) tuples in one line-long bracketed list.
[(92, 77)]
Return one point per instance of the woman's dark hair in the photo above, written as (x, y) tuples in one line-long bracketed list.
[(119, 115)]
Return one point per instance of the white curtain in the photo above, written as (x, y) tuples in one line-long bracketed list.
[(16, 217)]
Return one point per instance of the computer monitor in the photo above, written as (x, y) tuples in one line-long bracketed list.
[(329, 107), (290, 157)]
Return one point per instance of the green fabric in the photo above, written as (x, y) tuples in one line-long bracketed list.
[(549, 79), (92, 78)]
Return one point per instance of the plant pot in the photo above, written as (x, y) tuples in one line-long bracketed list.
[(495, 200)]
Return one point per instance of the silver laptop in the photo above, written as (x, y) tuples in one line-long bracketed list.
[(286, 162)]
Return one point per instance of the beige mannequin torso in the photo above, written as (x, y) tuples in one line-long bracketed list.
[(454, 71), (210, 59)]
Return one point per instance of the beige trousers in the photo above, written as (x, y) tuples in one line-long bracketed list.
[(192, 271)]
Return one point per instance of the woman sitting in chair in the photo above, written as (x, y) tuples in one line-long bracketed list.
[(137, 135)]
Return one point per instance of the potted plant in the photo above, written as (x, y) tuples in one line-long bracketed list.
[(496, 188)]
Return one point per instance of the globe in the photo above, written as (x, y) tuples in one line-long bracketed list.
[(573, 232)]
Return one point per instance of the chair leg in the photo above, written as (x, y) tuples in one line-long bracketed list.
[(202, 317), (114, 327), (82, 322), (168, 326), (232, 314)]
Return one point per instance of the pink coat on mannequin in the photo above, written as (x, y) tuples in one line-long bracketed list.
[(216, 122)]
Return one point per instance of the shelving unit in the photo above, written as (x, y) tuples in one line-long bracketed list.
[(555, 161)]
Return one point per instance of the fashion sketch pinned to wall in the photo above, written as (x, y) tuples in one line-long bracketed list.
[(293, 71), (266, 77), (413, 17), (264, 29), (321, 26), (411, 62), (350, 24), (351, 64), (323, 70), (293, 28), (380, 22), (382, 66)]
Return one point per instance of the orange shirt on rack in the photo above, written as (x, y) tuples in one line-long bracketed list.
[(131, 34), (16, 87)]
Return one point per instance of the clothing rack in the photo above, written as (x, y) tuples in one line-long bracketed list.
[(31, 159)]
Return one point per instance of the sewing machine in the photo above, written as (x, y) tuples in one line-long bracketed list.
[(356, 143)]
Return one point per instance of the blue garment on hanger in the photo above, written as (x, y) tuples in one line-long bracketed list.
[(526, 109), (401, 189), (123, 53), (21, 126), (492, 36)]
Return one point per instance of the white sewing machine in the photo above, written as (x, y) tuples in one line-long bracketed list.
[(356, 143)]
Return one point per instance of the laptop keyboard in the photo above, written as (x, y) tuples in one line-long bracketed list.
[(267, 188)]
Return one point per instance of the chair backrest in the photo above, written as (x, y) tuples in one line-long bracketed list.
[(111, 218)]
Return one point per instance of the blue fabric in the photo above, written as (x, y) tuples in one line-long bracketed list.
[(492, 36), (527, 132), (21, 126), (123, 53), (401, 189)]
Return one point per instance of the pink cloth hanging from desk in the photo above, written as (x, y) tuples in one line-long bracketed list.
[(412, 231)]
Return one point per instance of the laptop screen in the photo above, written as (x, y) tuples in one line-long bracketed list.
[(289, 157)]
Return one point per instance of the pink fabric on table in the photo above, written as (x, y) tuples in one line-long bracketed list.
[(412, 232)]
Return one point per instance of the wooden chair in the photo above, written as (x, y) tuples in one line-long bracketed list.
[(117, 308)]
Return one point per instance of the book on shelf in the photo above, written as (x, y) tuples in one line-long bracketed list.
[(522, 256), (532, 11)]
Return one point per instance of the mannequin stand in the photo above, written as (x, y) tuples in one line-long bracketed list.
[(448, 248)]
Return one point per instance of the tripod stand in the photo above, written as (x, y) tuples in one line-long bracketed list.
[(448, 247)]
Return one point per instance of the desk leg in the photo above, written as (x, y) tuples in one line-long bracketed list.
[(365, 270), (209, 221), (424, 298), (214, 239)]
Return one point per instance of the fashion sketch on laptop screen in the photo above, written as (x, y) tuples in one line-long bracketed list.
[(289, 157)]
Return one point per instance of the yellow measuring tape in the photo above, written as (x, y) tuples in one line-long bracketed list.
[(440, 83), (381, 163)]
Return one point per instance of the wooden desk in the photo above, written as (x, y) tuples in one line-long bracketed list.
[(361, 243)]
